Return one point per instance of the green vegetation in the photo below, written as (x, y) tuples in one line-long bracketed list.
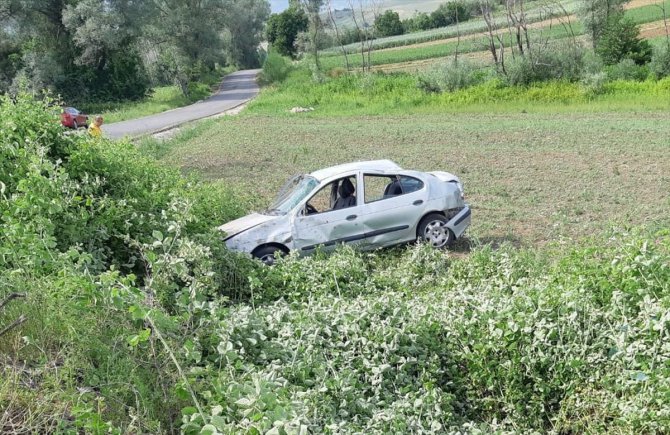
[(139, 321), (87, 53), (379, 94), (388, 24), (540, 163), (492, 338), (535, 12), (162, 98), (620, 40), (282, 30), (121, 310), (332, 59)]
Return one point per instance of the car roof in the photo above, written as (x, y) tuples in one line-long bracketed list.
[(371, 165)]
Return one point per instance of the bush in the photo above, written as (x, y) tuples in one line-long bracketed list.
[(110, 248), (621, 40), (198, 91), (660, 62), (537, 66), (627, 69), (451, 76), (275, 69), (497, 342), (594, 83)]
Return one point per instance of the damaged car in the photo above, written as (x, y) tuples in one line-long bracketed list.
[(370, 205)]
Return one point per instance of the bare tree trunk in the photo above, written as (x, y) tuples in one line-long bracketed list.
[(665, 23), (375, 6), (360, 31), (458, 37), (485, 8), (337, 34), (523, 23), (502, 54), (315, 46), (509, 5)]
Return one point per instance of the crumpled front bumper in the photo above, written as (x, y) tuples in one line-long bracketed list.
[(460, 222)]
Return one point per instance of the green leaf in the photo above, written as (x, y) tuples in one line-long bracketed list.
[(208, 429)]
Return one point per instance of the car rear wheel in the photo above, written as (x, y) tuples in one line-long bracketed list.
[(433, 229), (268, 254)]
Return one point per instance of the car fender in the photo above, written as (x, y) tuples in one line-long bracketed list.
[(277, 231)]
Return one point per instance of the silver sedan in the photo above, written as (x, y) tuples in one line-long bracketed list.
[(369, 204)]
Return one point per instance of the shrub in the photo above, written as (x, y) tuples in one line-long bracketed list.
[(621, 40), (450, 76), (275, 69), (197, 91), (78, 217), (499, 342), (594, 83), (536, 66), (627, 69), (660, 62)]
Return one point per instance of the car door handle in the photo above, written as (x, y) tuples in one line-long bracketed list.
[(351, 217), (418, 202)]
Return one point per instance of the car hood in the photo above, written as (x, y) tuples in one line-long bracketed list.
[(237, 226)]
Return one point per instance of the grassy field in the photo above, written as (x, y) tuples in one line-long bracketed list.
[(532, 178), (536, 12), (553, 30)]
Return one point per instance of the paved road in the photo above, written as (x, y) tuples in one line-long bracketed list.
[(237, 88)]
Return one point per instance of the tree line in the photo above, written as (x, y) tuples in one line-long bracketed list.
[(107, 50)]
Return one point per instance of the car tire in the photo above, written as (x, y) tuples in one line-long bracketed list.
[(433, 230), (268, 254), (75, 125)]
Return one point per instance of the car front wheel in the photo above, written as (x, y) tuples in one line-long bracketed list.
[(433, 229), (268, 254)]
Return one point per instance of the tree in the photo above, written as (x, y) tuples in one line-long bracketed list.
[(420, 21), (388, 24), (282, 30), (338, 35), (595, 14), (245, 21), (313, 10), (620, 40)]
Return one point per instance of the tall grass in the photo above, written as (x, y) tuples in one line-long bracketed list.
[(399, 93)]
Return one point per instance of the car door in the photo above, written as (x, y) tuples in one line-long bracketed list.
[(392, 206), (318, 223)]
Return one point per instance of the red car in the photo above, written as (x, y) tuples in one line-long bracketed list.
[(72, 118)]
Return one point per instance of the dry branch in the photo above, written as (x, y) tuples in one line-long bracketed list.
[(10, 298)]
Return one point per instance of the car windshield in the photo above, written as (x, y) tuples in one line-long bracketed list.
[(295, 190)]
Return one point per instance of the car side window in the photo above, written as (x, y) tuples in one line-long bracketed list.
[(378, 187), (410, 184), (336, 195)]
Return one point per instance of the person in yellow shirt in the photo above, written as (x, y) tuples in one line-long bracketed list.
[(94, 129)]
